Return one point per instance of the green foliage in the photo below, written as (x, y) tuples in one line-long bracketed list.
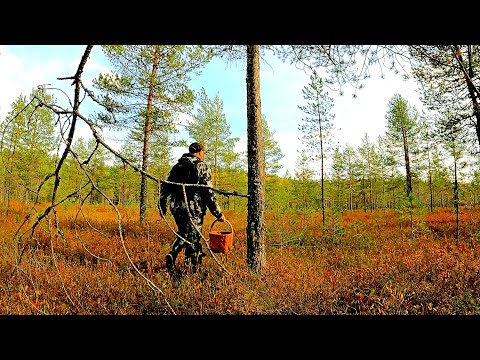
[(210, 127), (316, 125), (146, 93), (27, 144), (402, 131), (277, 193), (271, 150), (447, 76), (340, 63), (400, 125)]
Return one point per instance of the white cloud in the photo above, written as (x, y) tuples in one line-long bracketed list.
[(366, 114), (22, 75), (14, 78)]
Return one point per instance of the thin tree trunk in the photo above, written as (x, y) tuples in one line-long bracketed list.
[(364, 195), (256, 258), (321, 159), (215, 163), (455, 201), (350, 193), (430, 182), (323, 183), (371, 186), (407, 165), (122, 197)]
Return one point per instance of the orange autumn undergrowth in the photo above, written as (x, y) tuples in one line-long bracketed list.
[(360, 262)]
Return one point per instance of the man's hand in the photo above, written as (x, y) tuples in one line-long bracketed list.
[(221, 219)]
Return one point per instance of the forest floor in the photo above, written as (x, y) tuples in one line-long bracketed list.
[(359, 263)]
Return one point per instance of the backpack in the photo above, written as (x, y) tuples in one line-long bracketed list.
[(184, 172)]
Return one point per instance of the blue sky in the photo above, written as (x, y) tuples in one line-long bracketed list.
[(24, 67)]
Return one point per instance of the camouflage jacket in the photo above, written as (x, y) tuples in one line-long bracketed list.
[(189, 169)]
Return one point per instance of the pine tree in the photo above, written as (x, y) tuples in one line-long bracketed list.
[(316, 125), (210, 127), (256, 251), (147, 92), (272, 152), (368, 163), (352, 169), (304, 173), (338, 176), (27, 140), (448, 75), (401, 131)]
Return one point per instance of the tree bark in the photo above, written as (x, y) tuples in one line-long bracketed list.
[(455, 201), (430, 182), (471, 92), (256, 258), (146, 142), (407, 164)]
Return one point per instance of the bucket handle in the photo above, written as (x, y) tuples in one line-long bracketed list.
[(228, 222)]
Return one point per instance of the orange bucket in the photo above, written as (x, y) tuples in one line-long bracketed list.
[(221, 241)]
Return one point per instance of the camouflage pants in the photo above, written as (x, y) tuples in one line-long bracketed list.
[(193, 251)]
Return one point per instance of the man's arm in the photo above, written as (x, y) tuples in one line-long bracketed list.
[(205, 178), (164, 192)]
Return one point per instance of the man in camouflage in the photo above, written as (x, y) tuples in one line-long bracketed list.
[(190, 169)]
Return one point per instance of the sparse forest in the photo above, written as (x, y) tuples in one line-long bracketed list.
[(391, 226)]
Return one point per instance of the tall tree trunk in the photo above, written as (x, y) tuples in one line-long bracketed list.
[(350, 193), (9, 181), (384, 202), (321, 159), (364, 195), (430, 182), (323, 182), (256, 258), (455, 200), (123, 190), (215, 164), (146, 141), (407, 165), (338, 193), (143, 184), (371, 186), (471, 90)]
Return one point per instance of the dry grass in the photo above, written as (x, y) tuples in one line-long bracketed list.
[(361, 263)]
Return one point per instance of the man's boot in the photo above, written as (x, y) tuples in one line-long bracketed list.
[(197, 261), (169, 263), (172, 255), (193, 256)]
